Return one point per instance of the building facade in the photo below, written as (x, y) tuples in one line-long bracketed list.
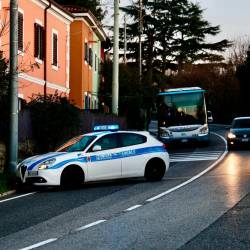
[(86, 36), (43, 47)]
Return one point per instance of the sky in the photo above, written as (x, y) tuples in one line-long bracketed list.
[(233, 16)]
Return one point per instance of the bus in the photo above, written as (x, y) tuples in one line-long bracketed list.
[(182, 115)]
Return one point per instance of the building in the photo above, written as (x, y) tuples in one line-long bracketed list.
[(43, 46), (86, 37)]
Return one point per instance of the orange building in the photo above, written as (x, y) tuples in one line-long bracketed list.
[(85, 57), (43, 45)]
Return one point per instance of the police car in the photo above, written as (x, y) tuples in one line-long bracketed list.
[(104, 154)]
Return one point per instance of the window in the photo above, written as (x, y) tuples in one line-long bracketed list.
[(20, 31), (90, 57), (86, 52), (39, 41), (130, 139), (108, 142), (79, 143), (95, 62), (55, 49)]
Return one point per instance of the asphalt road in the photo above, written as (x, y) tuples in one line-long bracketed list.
[(172, 221)]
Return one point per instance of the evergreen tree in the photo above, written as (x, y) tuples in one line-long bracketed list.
[(173, 30), (93, 5)]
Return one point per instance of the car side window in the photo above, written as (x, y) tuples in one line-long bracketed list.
[(130, 139), (107, 142)]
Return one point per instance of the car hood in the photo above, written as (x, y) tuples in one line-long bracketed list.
[(239, 131), (32, 163)]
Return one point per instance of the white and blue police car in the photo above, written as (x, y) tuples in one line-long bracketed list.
[(105, 154)]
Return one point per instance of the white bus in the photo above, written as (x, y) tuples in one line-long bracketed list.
[(182, 115)]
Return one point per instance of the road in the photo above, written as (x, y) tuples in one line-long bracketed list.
[(130, 214)]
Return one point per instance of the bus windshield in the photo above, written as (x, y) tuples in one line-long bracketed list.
[(181, 109)]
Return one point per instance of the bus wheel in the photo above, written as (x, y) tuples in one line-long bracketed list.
[(72, 176), (155, 170)]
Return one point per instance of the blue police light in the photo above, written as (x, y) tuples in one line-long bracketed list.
[(106, 127)]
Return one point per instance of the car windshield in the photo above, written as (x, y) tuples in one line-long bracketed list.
[(78, 143), (241, 123)]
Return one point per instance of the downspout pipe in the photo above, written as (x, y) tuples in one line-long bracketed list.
[(45, 48)]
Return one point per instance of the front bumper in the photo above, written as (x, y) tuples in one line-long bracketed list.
[(200, 138), (40, 177)]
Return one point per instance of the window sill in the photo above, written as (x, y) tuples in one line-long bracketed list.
[(55, 67), (20, 53), (38, 60)]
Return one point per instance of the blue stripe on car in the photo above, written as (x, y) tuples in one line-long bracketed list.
[(44, 159), (112, 156)]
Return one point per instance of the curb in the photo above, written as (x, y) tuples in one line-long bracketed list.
[(7, 193)]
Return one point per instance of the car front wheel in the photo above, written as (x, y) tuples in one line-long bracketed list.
[(72, 176), (155, 170)]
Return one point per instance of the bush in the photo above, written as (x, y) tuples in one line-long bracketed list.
[(54, 119)]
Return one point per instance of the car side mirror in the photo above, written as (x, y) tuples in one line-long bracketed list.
[(97, 148)]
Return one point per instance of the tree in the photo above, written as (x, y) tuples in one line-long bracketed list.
[(93, 5), (243, 74), (174, 31)]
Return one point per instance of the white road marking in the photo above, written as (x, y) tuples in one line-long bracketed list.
[(90, 225), (17, 197), (39, 244), (195, 177), (197, 156), (132, 208)]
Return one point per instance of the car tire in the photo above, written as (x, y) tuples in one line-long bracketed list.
[(72, 176), (155, 170)]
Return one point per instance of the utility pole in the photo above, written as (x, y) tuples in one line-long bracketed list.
[(125, 39), (140, 39), (115, 80), (13, 139)]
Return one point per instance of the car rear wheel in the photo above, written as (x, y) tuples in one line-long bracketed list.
[(72, 176), (155, 170)]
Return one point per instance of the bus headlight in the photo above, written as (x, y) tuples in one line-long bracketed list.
[(204, 130), (165, 133), (231, 135)]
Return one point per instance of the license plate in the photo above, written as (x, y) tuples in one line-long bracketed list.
[(184, 140), (32, 173), (244, 140)]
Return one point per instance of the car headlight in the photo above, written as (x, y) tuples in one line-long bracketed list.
[(231, 135), (204, 130), (46, 164)]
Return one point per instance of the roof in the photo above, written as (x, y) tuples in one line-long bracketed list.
[(182, 91), (82, 12)]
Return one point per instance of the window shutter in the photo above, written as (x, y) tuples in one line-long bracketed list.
[(90, 57), (55, 40), (36, 41), (86, 56), (42, 43), (20, 31)]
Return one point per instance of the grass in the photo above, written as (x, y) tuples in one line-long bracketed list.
[(7, 182)]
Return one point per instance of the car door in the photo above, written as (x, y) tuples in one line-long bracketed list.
[(105, 163), (134, 159)]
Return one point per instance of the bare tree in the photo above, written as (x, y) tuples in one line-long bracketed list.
[(238, 52)]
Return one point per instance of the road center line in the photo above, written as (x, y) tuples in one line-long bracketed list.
[(196, 176), (132, 208), (90, 225), (17, 197), (39, 244)]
